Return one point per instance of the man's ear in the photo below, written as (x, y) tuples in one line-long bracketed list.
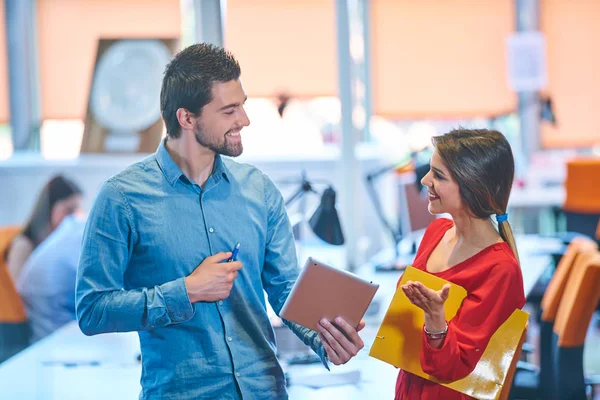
[(187, 120)]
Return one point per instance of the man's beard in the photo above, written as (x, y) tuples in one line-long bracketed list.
[(225, 147)]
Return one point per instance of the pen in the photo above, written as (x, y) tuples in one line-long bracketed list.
[(235, 253), (72, 364)]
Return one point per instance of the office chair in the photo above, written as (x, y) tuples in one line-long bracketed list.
[(14, 328), (7, 234), (530, 381), (582, 203), (560, 375), (575, 312), (581, 210)]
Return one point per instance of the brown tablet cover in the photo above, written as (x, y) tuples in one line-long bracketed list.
[(322, 291)]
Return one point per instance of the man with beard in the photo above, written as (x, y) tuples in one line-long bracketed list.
[(156, 250)]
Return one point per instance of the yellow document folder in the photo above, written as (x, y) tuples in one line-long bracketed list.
[(398, 341)]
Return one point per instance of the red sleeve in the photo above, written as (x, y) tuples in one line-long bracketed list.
[(480, 315)]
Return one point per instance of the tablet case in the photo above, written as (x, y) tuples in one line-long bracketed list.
[(322, 291)]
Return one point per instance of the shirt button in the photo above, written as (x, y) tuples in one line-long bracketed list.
[(237, 374), (211, 230), (220, 303), (230, 338)]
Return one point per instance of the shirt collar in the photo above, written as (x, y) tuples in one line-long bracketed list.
[(220, 169), (172, 171)]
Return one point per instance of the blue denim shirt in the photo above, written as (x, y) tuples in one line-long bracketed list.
[(149, 227)]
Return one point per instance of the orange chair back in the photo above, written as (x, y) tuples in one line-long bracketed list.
[(510, 375), (556, 287), (11, 306), (579, 301), (7, 234), (582, 197)]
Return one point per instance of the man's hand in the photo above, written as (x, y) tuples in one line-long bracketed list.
[(212, 280), (341, 341)]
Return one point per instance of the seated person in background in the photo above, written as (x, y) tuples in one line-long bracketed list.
[(470, 178), (47, 281), (59, 197)]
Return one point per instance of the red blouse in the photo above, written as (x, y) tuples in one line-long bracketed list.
[(493, 281)]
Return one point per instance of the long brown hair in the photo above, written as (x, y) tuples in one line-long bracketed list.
[(482, 164), (56, 189)]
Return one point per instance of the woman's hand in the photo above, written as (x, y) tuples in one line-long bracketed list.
[(430, 301)]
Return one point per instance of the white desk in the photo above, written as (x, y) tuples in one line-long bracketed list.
[(535, 253), (536, 196), (39, 372)]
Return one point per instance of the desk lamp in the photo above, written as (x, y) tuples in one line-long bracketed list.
[(399, 262), (324, 222)]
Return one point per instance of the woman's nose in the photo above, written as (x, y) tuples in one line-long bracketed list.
[(426, 181)]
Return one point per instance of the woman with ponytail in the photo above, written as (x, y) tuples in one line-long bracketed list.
[(470, 179)]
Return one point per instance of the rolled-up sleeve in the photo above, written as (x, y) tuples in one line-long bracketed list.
[(102, 303), (280, 269)]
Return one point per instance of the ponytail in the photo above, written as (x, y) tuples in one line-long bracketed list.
[(506, 233)]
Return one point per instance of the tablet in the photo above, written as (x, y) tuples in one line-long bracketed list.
[(322, 291)]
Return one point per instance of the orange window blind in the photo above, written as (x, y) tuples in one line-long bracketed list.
[(284, 46), (68, 33), (440, 58), (572, 31)]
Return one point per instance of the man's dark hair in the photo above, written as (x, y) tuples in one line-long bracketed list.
[(189, 78)]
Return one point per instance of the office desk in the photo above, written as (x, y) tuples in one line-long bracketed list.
[(537, 196), (40, 371), (532, 207), (70, 366), (43, 370)]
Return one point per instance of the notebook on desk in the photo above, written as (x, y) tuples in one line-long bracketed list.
[(398, 341), (322, 291)]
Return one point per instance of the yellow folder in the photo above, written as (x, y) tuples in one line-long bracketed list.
[(398, 341)]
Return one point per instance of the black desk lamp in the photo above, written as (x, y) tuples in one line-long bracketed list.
[(398, 263), (324, 222)]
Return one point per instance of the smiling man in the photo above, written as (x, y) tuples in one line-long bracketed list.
[(155, 255)]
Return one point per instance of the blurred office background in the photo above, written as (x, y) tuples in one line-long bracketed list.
[(341, 93)]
